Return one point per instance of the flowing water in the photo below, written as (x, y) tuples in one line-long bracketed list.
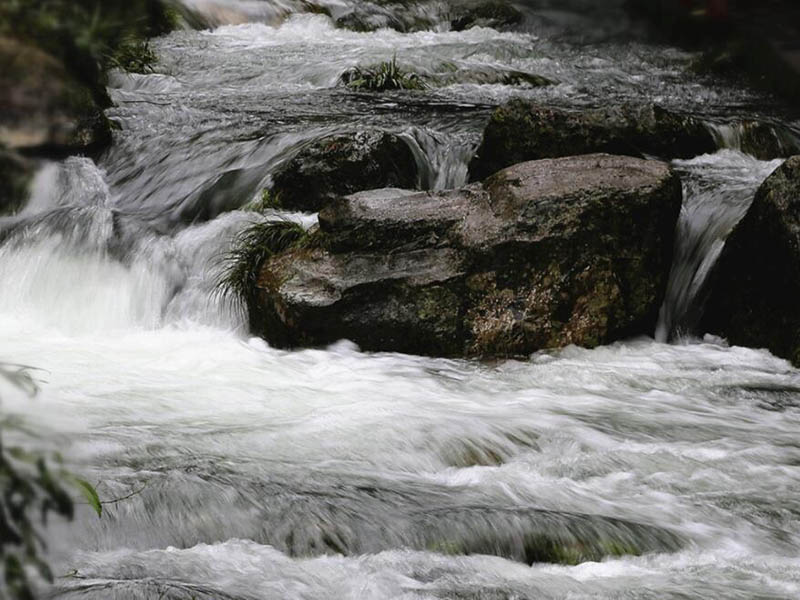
[(235, 470)]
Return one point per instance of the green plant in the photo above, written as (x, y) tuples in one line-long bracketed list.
[(30, 489), (387, 75), (134, 55), (249, 249)]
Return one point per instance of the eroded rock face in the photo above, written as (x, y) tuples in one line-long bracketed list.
[(343, 164), (543, 254), (520, 131), (755, 285), (42, 107)]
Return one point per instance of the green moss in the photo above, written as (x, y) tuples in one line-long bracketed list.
[(267, 201)]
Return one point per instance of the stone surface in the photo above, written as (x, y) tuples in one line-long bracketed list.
[(42, 107), (342, 164), (521, 130), (416, 16), (15, 177), (496, 14), (755, 284), (543, 254)]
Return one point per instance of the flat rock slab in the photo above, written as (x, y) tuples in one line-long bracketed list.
[(543, 254)]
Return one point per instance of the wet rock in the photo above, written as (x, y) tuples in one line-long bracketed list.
[(342, 164), (756, 282), (544, 254), (766, 141), (495, 14), (42, 107), (15, 177), (520, 131), (421, 16)]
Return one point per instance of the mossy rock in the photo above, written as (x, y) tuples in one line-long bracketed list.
[(342, 164), (493, 13), (15, 177), (756, 281), (544, 254), (521, 130)]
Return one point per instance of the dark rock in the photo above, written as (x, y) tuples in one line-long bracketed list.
[(419, 16), (520, 131), (766, 141), (544, 254), (42, 107), (343, 164), (15, 177), (493, 13), (756, 281)]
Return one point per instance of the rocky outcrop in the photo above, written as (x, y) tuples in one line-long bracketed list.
[(42, 107), (342, 164), (520, 131), (492, 13), (543, 254), (15, 177), (420, 16), (755, 285)]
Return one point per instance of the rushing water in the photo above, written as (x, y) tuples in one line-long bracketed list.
[(235, 470)]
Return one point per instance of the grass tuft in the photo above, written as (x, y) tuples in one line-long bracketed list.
[(387, 75), (249, 250)]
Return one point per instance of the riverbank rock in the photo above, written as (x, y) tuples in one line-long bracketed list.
[(15, 177), (521, 130), (42, 107), (421, 16), (544, 254), (343, 164), (493, 13), (756, 281)]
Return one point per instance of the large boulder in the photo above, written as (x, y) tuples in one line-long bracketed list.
[(342, 164), (521, 130), (755, 284), (42, 107), (544, 254)]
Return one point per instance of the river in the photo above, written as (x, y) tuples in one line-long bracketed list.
[(233, 470)]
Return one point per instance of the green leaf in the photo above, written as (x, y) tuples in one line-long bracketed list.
[(88, 491)]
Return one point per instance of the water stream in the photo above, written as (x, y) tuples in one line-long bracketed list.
[(248, 472)]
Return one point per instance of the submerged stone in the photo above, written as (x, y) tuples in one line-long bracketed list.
[(544, 254), (521, 130), (756, 281)]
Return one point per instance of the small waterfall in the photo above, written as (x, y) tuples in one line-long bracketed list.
[(717, 189), (78, 264), (760, 139), (443, 159)]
